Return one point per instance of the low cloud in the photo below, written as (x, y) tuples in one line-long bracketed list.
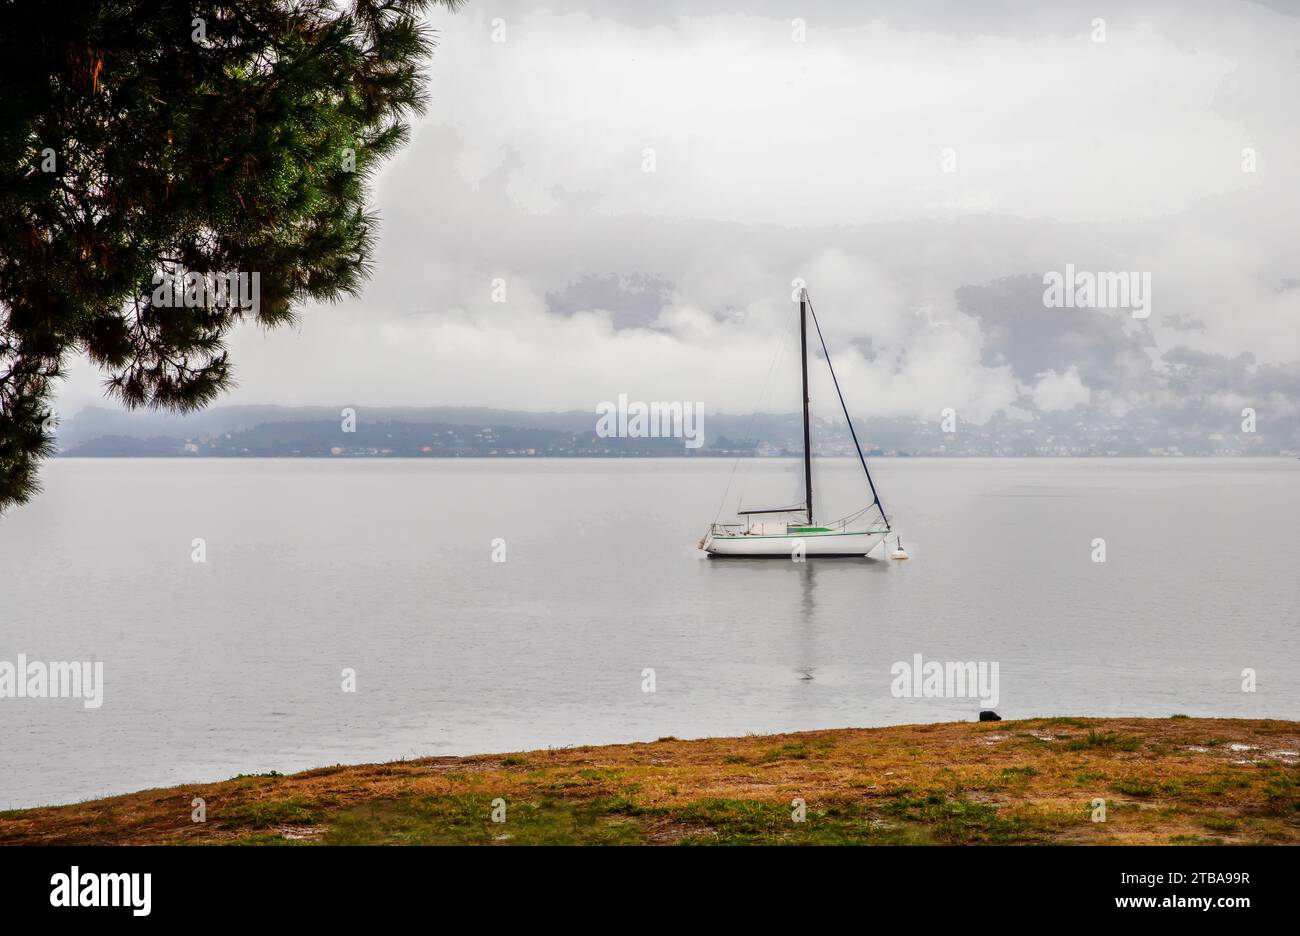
[(820, 161)]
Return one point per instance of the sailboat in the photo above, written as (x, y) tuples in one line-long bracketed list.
[(798, 534)]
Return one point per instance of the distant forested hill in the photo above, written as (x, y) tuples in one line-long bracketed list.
[(308, 431)]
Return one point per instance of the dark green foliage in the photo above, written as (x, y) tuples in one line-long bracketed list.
[(226, 153)]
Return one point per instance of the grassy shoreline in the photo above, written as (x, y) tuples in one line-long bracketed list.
[(1174, 780)]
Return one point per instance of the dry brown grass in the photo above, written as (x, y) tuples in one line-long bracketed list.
[(1163, 780)]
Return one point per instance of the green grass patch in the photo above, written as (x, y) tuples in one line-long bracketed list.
[(1133, 788), (263, 814), (1105, 740), (785, 752), (718, 821), (1283, 791), (261, 839), (620, 820), (1221, 825), (467, 820), (962, 822)]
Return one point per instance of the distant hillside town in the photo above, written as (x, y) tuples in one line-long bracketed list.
[(411, 432)]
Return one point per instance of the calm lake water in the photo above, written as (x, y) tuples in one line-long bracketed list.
[(235, 665)]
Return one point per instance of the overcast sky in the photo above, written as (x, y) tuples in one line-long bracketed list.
[(824, 159)]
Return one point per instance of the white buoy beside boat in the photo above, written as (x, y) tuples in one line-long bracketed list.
[(899, 552)]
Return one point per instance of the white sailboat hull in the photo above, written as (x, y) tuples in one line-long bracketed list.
[(835, 543)]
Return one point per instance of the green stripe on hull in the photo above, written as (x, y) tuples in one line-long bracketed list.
[(750, 536)]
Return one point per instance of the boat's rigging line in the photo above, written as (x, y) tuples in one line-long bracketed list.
[(847, 418)]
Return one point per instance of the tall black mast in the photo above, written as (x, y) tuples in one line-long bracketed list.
[(803, 360)]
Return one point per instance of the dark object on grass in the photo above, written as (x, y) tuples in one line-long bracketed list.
[(986, 715)]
